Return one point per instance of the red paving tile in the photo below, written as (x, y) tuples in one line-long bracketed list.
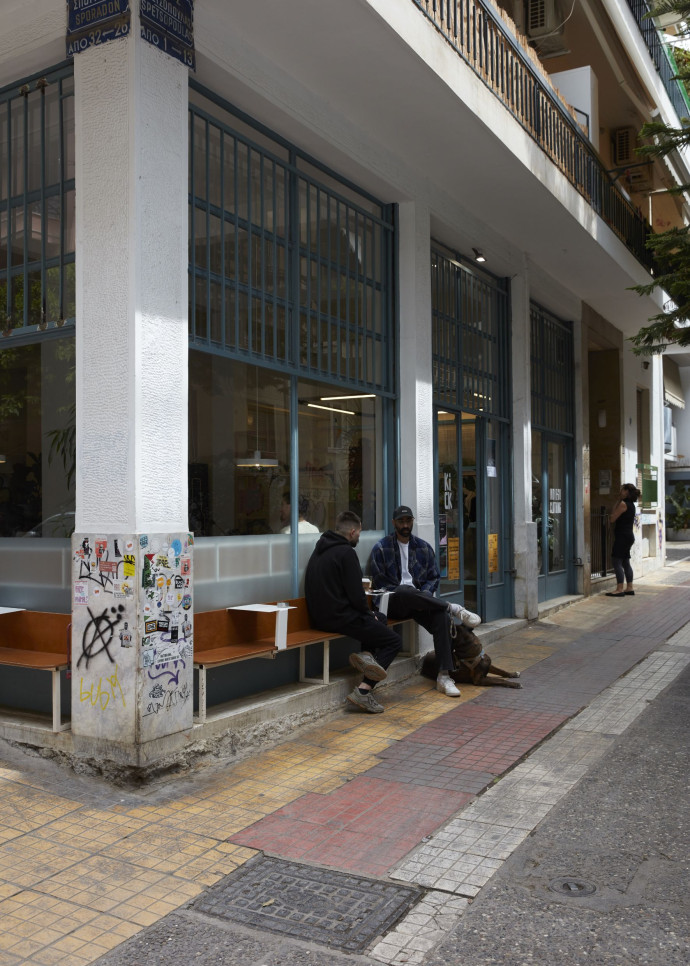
[(365, 826), (369, 824)]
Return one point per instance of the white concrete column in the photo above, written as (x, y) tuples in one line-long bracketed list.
[(132, 664), (416, 396), (524, 530), (131, 267)]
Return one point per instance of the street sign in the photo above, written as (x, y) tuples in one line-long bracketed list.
[(94, 22), (168, 25)]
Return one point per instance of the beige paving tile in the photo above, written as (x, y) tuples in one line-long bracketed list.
[(24, 809), (107, 885), (27, 860), (90, 829), (165, 850)]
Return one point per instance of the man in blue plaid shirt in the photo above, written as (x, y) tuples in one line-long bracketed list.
[(406, 566)]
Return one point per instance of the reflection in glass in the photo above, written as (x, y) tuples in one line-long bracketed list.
[(493, 502), (340, 454), (537, 496), (235, 411), (555, 455), (37, 439), (448, 502), (239, 441)]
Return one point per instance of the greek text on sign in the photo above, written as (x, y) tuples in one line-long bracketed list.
[(94, 22), (168, 25), (89, 13)]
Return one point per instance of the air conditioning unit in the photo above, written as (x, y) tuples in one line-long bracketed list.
[(624, 144), (543, 17), (640, 178)]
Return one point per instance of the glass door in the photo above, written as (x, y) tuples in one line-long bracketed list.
[(451, 556), (551, 511), (473, 523)]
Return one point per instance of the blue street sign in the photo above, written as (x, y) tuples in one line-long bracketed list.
[(168, 25), (93, 22)]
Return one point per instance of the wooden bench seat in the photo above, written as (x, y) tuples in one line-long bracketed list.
[(40, 660), (225, 636), (40, 641)]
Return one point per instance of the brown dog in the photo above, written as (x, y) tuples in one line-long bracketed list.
[(472, 663)]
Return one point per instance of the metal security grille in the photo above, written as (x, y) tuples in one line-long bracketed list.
[(551, 372), (37, 281), (470, 338), (289, 264)]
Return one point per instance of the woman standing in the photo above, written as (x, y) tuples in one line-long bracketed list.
[(623, 518)]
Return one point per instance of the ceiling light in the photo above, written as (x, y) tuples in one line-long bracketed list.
[(257, 461), (332, 409), (370, 395), (478, 256)]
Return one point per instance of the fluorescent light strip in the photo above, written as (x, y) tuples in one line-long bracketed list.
[(331, 409), (370, 395)]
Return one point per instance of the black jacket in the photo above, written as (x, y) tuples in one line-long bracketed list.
[(333, 584)]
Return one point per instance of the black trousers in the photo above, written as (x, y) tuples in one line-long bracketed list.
[(428, 611), (375, 636)]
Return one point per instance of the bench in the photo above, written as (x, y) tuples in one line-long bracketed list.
[(38, 641), (233, 634)]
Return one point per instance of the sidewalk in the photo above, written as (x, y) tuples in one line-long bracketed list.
[(83, 866)]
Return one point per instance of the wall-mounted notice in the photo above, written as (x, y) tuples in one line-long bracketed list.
[(168, 25), (492, 548), (93, 22)]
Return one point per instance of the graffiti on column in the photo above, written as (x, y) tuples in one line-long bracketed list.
[(99, 634)]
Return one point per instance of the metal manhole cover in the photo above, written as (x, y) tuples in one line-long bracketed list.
[(572, 888), (339, 910)]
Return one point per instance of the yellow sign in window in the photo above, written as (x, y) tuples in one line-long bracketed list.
[(493, 553), (453, 558)]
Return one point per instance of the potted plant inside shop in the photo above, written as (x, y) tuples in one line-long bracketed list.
[(678, 518)]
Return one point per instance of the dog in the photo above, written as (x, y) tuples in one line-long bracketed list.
[(472, 663)]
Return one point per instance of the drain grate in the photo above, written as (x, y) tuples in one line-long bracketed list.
[(340, 910), (572, 888)]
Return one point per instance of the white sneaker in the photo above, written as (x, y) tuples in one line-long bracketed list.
[(465, 617), (446, 685)]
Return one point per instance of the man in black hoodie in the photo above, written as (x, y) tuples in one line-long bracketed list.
[(336, 602)]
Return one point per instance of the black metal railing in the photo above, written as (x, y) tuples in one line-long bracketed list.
[(600, 541), (478, 35), (661, 56)]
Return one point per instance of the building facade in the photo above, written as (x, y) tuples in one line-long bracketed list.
[(260, 263)]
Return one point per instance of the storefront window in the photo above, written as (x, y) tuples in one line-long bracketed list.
[(340, 462), (239, 440), (37, 301), (240, 459), (37, 238), (292, 361), (37, 397)]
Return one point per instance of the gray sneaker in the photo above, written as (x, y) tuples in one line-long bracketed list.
[(367, 702), (365, 663), (465, 617)]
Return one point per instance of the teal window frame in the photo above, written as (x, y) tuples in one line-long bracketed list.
[(27, 188), (360, 327)]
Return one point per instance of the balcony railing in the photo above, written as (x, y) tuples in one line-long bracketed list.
[(479, 36), (661, 56)]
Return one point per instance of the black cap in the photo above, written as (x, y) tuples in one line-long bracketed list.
[(402, 511)]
